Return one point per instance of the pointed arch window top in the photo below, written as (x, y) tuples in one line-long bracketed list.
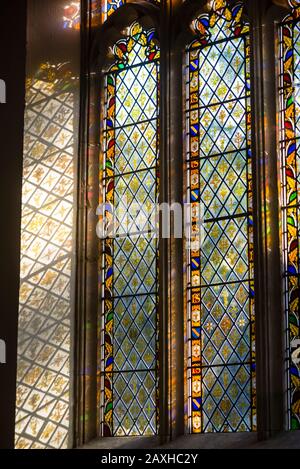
[(138, 47), (225, 18)]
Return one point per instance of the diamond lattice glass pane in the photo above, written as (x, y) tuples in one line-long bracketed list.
[(135, 202), (224, 185), (136, 95), (223, 128), (135, 265), (226, 399), (134, 404), (222, 72), (226, 324), (135, 333), (136, 147), (225, 251)]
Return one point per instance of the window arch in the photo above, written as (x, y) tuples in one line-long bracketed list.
[(221, 364), (130, 185), (289, 83)]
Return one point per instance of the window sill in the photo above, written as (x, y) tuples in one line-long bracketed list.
[(286, 440)]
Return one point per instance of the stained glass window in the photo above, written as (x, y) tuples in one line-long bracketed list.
[(44, 334), (220, 274), (112, 5), (129, 173), (100, 10), (71, 15), (290, 203), (109, 6)]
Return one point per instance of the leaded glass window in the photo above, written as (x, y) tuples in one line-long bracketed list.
[(129, 179), (109, 6), (289, 143), (221, 364), (100, 10)]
